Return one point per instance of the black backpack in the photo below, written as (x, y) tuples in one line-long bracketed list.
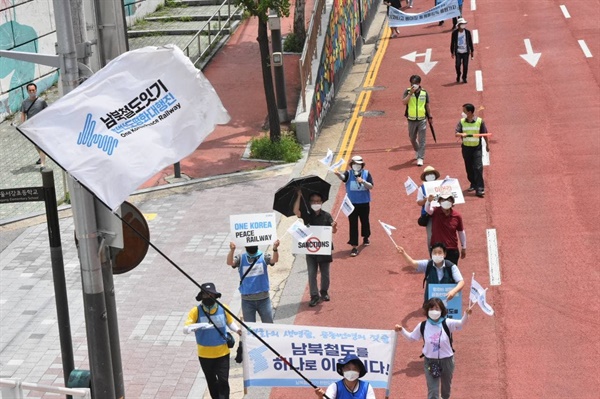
[(445, 328), (446, 267)]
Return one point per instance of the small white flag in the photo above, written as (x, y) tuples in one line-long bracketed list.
[(328, 158), (299, 231), (387, 227), (347, 206), (477, 295), (410, 186), (336, 165)]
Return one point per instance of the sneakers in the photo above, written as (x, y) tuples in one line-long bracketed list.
[(325, 297), (314, 301), (420, 162), (416, 155), (366, 242), (354, 252), (471, 188), (480, 193)]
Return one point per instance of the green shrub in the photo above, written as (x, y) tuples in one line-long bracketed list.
[(287, 149), (291, 44)]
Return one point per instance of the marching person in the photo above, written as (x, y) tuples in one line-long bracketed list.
[(461, 48), (417, 114), (395, 4), (429, 174), (208, 321), (316, 217), (359, 184), (446, 224), (29, 108), (351, 368), (437, 270), (254, 280), (436, 333), (472, 148)]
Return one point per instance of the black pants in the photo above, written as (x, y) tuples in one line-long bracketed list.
[(453, 255), (473, 166), (462, 59), (216, 372), (360, 211)]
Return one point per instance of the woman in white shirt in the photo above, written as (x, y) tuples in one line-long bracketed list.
[(436, 332)]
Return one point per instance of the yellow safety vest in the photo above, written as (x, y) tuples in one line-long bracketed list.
[(416, 106), (471, 128)]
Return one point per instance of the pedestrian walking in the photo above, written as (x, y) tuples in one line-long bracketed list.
[(315, 263), (461, 48), (396, 4), (429, 174), (359, 184), (436, 333), (30, 107), (437, 270), (446, 224), (209, 321), (468, 126), (417, 113), (254, 280), (352, 369)]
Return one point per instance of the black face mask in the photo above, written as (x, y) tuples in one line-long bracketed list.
[(252, 250), (208, 302)]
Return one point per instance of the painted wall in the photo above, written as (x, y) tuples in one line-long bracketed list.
[(138, 9)]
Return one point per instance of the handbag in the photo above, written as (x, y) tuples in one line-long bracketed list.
[(435, 368), (424, 219), (228, 337)]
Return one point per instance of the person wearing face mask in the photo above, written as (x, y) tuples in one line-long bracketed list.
[(254, 280), (208, 321), (446, 224), (417, 113), (436, 333), (472, 148), (315, 263), (350, 387), (359, 184), (461, 48), (429, 174), (437, 270), (32, 106)]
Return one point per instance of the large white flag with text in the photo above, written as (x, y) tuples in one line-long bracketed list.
[(145, 110)]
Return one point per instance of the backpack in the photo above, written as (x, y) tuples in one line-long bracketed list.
[(444, 327), (430, 266)]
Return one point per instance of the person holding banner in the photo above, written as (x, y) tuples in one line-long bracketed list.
[(467, 127), (429, 174), (314, 263), (349, 387), (417, 113), (437, 270), (446, 223), (254, 281), (436, 333), (359, 184), (208, 320), (395, 4)]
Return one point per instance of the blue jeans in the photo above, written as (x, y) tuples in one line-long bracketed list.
[(262, 306)]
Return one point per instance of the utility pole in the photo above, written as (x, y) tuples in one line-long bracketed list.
[(277, 61)]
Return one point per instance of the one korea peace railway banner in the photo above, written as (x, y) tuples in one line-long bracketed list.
[(320, 242), (315, 351), (447, 9), (144, 111), (253, 229)]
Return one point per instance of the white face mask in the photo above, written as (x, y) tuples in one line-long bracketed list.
[(437, 258), (463, 115), (434, 314), (356, 167), (446, 205), (316, 207), (351, 375), (429, 177)]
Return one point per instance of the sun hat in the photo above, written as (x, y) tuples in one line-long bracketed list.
[(358, 159), (355, 360), (430, 169), (447, 196), (461, 21), (208, 288)]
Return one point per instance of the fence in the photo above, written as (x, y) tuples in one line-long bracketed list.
[(309, 53), (13, 389)]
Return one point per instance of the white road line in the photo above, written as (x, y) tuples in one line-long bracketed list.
[(493, 258), (565, 11), (475, 36), (473, 5), (485, 156), (585, 48), (478, 81)]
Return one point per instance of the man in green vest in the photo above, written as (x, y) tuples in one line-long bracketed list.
[(468, 126), (417, 113)]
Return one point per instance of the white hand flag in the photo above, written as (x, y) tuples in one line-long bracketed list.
[(477, 295), (328, 158), (299, 231), (388, 228), (347, 206), (410, 186), (336, 165), (118, 128)]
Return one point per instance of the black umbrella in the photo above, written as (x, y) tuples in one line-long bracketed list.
[(286, 195), (432, 130)]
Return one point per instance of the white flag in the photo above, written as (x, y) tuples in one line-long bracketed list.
[(477, 295), (144, 111), (299, 231), (410, 186), (336, 165), (387, 227), (347, 206), (328, 158)]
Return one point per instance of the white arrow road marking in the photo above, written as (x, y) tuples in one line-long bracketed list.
[(585, 48), (565, 11), (475, 36), (427, 65), (412, 57), (531, 57), (478, 81)]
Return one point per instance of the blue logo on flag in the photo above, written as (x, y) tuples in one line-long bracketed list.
[(87, 137)]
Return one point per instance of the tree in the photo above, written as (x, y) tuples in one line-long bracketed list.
[(299, 24), (260, 9)]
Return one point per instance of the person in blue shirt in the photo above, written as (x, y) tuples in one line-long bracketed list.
[(349, 387)]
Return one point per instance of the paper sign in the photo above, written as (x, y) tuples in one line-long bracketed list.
[(446, 186), (319, 243), (253, 229), (454, 305)]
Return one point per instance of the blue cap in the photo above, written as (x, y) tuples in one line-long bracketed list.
[(355, 360)]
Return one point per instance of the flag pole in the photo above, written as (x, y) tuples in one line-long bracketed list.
[(389, 235)]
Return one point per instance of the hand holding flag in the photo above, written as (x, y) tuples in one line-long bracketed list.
[(477, 295), (337, 165)]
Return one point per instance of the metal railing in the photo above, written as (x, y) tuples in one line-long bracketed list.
[(13, 389), (309, 53), (220, 21)]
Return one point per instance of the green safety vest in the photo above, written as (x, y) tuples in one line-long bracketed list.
[(416, 106), (471, 128)]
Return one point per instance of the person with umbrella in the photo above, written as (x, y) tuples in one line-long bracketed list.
[(351, 368), (359, 184), (316, 216)]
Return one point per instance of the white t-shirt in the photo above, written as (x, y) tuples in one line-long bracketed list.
[(332, 391), (437, 342), (461, 45)]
